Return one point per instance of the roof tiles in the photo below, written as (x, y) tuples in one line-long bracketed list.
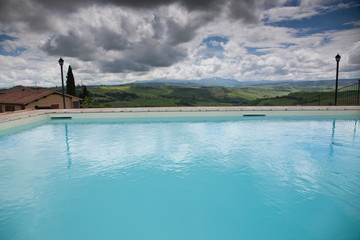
[(22, 95)]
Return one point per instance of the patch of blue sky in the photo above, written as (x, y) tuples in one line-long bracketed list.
[(325, 40), (4, 37), (16, 52), (257, 51), (215, 42), (213, 47), (286, 45), (339, 19), (266, 50), (292, 3)]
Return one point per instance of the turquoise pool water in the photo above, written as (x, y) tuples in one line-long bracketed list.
[(254, 178)]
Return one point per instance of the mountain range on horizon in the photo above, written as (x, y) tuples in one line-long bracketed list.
[(222, 82)]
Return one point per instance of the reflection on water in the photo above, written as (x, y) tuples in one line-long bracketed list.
[(272, 174), (349, 127), (226, 146), (332, 139), (355, 129), (68, 153), (291, 156)]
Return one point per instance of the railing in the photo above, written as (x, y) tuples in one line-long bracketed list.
[(348, 95)]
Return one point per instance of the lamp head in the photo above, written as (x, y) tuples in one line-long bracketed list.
[(61, 61), (337, 58)]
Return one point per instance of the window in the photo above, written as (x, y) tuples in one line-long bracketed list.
[(9, 108), (55, 106), (76, 104)]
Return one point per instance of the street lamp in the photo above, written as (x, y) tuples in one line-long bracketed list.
[(337, 58), (61, 62)]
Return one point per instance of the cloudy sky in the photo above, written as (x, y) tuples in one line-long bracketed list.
[(120, 41)]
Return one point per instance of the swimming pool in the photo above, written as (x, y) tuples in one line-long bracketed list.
[(211, 178)]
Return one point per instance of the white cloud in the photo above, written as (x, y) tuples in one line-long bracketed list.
[(306, 9), (107, 44), (289, 13), (354, 57)]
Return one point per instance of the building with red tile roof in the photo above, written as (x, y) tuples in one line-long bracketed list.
[(21, 98)]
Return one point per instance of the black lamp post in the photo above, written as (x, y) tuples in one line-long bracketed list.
[(337, 58), (61, 62)]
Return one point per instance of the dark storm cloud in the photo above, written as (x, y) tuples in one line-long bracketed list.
[(133, 48), (110, 40), (143, 57), (159, 48), (175, 32), (22, 12), (70, 45), (180, 34), (122, 65), (155, 54), (247, 10), (189, 4), (240, 9), (35, 13)]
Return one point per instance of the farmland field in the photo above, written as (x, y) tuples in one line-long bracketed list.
[(168, 96)]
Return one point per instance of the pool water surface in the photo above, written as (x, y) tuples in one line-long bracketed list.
[(259, 178)]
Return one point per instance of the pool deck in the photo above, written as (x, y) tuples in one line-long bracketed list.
[(12, 119)]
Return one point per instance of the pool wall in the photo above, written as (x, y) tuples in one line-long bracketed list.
[(19, 118)]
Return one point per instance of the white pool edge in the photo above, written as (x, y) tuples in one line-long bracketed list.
[(14, 119)]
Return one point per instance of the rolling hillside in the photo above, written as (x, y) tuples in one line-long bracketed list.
[(161, 96)]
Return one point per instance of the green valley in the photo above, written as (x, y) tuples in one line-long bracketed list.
[(166, 96)]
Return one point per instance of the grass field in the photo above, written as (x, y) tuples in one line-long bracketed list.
[(167, 96)]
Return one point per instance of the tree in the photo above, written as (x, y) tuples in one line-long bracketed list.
[(84, 92), (70, 83)]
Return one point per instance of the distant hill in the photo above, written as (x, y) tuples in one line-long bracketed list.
[(222, 82), (141, 95), (206, 82)]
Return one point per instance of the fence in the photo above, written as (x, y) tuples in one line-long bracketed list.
[(348, 95)]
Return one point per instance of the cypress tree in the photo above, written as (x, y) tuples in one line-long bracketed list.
[(84, 92), (70, 83)]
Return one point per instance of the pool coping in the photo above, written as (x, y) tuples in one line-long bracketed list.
[(13, 119)]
